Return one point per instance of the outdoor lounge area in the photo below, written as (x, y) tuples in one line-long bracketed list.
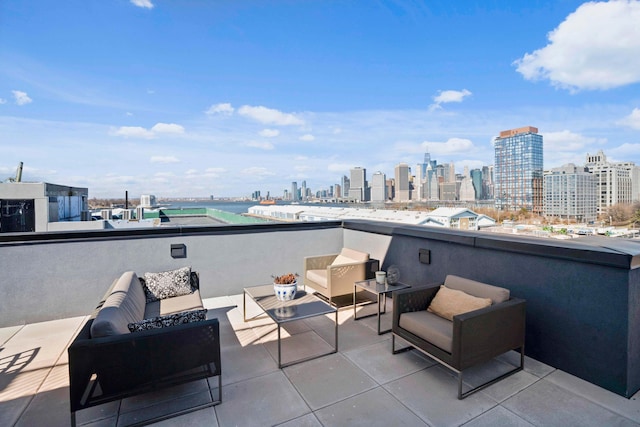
[(363, 383)]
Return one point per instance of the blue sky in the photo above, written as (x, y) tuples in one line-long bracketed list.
[(198, 98)]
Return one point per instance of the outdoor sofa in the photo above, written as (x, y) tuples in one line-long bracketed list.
[(141, 339), (460, 323)]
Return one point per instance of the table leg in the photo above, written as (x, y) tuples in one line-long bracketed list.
[(336, 350), (378, 314), (279, 349), (354, 303)]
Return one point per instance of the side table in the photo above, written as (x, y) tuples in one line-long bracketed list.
[(381, 292)]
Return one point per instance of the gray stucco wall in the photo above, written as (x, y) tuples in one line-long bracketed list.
[(58, 278)]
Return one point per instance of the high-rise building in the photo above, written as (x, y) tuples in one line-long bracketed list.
[(403, 191), (478, 183), (345, 186), (518, 170), (467, 192), (378, 187), (570, 192), (294, 191), (614, 181), (358, 184), (391, 189)]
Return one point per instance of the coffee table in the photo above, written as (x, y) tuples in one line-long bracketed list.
[(303, 306), (381, 292)]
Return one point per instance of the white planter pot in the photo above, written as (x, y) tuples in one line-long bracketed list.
[(285, 292)]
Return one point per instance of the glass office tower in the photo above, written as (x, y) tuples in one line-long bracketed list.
[(518, 170)]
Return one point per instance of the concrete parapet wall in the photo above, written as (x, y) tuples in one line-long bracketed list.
[(583, 295)]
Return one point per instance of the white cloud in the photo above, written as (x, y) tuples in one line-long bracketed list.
[(257, 172), (450, 147), (21, 98), (143, 3), (164, 159), (163, 174), (340, 167), (3, 101), (264, 145), (269, 133), (224, 108), (596, 47), (632, 120), (132, 132), (170, 128), (215, 170), (625, 151), (446, 96), (307, 137), (566, 140), (269, 116), (140, 132)]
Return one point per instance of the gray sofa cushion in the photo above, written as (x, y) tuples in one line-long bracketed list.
[(173, 305), (477, 289), (430, 327), (125, 304)]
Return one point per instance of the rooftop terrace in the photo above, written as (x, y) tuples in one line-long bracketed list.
[(582, 339), (362, 384)]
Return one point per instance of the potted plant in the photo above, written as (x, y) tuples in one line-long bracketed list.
[(285, 286)]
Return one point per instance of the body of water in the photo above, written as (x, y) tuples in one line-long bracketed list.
[(233, 207)]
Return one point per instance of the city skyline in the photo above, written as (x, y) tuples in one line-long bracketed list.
[(223, 99)]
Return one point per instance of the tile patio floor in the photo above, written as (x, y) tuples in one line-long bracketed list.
[(362, 384)]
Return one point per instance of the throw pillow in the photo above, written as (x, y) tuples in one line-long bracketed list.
[(167, 284), (168, 320), (450, 302)]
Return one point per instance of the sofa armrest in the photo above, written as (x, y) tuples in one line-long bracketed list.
[(412, 299), (319, 262), (124, 362), (483, 334)]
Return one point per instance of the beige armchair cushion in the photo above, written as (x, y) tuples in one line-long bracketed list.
[(451, 302), (429, 327), (318, 276)]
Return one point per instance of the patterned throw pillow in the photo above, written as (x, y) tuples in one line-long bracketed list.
[(169, 320), (167, 284)]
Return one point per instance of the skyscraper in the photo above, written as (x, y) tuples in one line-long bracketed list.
[(518, 170), (378, 187), (358, 184), (403, 192)]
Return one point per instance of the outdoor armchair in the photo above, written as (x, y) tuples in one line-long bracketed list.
[(334, 275), (468, 339)]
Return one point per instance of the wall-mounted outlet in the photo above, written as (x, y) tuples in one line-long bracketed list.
[(424, 256)]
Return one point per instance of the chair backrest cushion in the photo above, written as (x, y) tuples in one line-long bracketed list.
[(125, 304), (347, 256), (451, 302), (477, 289)]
